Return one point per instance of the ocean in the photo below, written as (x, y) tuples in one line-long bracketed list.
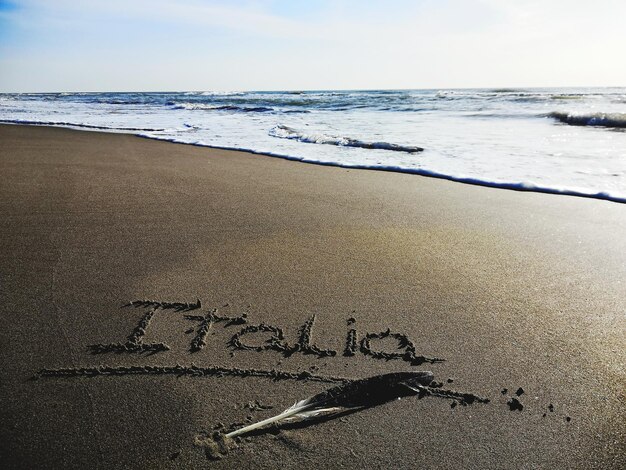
[(566, 141)]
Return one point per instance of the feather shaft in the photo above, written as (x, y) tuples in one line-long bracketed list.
[(290, 412), (353, 394)]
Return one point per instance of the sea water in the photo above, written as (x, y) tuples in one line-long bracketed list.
[(567, 141)]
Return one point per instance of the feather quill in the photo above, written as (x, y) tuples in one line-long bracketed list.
[(352, 395)]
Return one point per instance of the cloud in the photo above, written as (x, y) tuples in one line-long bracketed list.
[(249, 44), (34, 13)]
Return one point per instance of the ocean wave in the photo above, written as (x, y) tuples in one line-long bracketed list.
[(221, 93), (227, 107), (446, 94), (493, 95), (616, 120), (284, 132), (489, 183), (119, 99), (506, 90), (212, 93), (76, 124), (567, 96), (511, 185)]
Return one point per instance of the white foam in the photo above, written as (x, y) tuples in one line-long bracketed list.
[(525, 186), (285, 132), (484, 137)]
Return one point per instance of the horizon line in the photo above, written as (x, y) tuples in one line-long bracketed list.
[(312, 90)]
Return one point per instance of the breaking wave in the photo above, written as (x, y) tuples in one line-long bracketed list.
[(284, 132), (616, 120), (229, 107)]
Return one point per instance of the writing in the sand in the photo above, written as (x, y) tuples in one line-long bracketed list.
[(258, 337)]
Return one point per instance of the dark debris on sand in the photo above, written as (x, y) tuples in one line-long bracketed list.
[(515, 404)]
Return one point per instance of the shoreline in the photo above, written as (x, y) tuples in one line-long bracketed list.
[(258, 269), (521, 187)]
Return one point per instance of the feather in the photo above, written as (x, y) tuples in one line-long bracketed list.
[(352, 395)]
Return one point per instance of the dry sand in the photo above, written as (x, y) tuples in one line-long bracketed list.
[(511, 289)]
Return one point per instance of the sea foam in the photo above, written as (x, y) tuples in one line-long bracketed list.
[(501, 138), (284, 132)]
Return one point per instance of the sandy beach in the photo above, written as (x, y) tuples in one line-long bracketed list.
[(257, 282)]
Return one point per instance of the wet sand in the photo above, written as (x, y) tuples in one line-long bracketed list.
[(316, 274)]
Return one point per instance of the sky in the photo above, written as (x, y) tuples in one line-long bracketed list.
[(161, 45)]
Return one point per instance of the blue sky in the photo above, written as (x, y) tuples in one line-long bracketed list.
[(117, 45)]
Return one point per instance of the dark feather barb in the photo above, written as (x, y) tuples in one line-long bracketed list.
[(373, 391)]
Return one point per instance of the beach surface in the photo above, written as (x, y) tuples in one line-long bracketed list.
[(521, 295)]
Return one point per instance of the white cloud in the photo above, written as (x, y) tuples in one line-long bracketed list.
[(217, 44), (185, 12)]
